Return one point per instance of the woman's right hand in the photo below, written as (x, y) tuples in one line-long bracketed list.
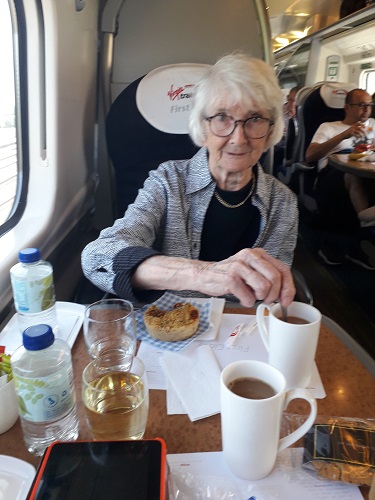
[(249, 275)]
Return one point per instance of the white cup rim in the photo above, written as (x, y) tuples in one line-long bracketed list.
[(306, 307), (260, 365)]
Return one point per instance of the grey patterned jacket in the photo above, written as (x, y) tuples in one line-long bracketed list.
[(167, 218)]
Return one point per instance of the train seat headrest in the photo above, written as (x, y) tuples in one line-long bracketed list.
[(164, 95), (334, 93)]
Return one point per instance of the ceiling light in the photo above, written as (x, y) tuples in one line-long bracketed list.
[(297, 34), (282, 41)]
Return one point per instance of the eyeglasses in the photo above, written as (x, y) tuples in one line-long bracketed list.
[(254, 127), (363, 105)]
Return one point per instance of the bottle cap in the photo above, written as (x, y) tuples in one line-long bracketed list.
[(38, 337), (29, 255)]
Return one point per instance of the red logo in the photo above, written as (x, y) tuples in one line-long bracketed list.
[(339, 91), (180, 92)]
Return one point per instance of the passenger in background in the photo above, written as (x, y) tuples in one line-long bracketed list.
[(291, 107), (344, 199), (215, 224), (283, 150)]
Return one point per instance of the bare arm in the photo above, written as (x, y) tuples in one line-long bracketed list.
[(316, 150), (249, 275)]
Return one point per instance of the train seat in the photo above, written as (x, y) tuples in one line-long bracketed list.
[(292, 141), (323, 102), (148, 124)]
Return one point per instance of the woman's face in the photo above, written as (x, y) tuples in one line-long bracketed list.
[(236, 153)]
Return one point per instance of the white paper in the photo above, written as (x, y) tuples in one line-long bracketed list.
[(245, 347), (195, 377), (151, 359), (196, 473), (174, 404), (216, 312), (69, 318)]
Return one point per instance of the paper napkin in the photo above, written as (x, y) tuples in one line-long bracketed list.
[(216, 311), (195, 376)]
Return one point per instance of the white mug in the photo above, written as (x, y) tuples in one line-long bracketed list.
[(251, 427), (291, 347)]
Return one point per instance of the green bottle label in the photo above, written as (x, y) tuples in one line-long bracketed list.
[(33, 296), (43, 399)]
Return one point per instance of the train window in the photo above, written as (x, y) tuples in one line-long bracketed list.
[(13, 157), (292, 68), (368, 81)]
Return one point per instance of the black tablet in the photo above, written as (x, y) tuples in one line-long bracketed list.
[(97, 470)]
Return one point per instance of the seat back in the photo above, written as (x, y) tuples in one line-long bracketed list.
[(148, 124)]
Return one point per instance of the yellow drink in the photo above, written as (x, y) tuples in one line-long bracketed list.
[(116, 406)]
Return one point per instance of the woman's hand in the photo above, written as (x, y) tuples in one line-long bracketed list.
[(249, 275)]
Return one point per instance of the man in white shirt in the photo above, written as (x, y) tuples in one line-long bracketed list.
[(342, 197)]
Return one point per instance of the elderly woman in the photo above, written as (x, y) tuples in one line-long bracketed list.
[(214, 224)]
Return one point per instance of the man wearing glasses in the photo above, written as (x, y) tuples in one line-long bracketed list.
[(345, 200)]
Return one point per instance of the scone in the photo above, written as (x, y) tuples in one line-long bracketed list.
[(169, 326)]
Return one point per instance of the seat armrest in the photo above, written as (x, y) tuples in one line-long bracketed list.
[(303, 165)]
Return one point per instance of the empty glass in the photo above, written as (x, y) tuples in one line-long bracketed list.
[(109, 325)]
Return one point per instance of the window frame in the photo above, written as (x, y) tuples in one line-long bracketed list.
[(17, 14)]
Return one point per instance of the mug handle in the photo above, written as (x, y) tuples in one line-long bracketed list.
[(262, 324), (304, 428)]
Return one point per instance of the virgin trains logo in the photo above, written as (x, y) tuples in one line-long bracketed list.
[(184, 92), (339, 92), (176, 95)]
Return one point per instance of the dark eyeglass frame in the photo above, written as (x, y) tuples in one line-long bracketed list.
[(236, 122), (362, 105)]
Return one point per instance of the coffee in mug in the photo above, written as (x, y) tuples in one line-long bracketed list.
[(251, 388), (294, 320), (250, 426), (291, 345)]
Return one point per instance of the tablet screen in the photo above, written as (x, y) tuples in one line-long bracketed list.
[(101, 470)]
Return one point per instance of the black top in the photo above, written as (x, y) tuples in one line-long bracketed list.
[(242, 223)]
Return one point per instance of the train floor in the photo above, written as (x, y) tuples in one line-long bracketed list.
[(345, 293)]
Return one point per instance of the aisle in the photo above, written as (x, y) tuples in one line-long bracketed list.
[(344, 293)]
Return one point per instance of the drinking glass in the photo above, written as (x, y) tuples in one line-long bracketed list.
[(115, 398), (110, 324)]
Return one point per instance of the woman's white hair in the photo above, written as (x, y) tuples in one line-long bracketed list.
[(239, 79)]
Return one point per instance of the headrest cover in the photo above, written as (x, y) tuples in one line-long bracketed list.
[(164, 95), (301, 94), (334, 93)]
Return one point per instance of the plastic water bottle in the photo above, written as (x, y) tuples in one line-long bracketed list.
[(44, 382), (33, 290)]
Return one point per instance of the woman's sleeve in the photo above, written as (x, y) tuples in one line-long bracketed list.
[(109, 261)]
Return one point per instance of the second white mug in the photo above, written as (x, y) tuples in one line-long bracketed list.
[(291, 345), (253, 398)]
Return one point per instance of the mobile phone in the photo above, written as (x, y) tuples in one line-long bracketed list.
[(97, 470)]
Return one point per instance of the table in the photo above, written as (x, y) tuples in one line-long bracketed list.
[(360, 168), (349, 386)]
